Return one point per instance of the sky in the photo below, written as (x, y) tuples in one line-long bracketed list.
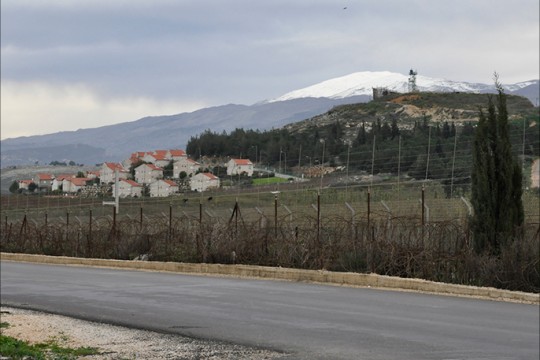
[(72, 64)]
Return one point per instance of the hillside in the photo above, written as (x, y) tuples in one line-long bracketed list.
[(407, 109), (407, 131)]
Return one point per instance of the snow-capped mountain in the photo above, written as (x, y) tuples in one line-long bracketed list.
[(114, 142), (362, 83)]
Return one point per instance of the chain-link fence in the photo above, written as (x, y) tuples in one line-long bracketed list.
[(408, 230)]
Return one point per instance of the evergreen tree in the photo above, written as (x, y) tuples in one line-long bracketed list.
[(496, 180), (395, 128), (14, 187), (361, 138)]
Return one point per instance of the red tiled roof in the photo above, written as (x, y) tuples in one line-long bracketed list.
[(114, 166), (64, 176), (154, 167), (133, 159), (137, 155), (78, 181), (242, 162), (25, 181), (210, 175), (45, 176), (177, 152), (170, 182), (131, 182), (159, 156), (151, 166), (160, 152)]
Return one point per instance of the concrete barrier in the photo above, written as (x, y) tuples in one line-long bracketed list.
[(277, 273)]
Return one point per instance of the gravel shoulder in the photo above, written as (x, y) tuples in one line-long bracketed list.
[(115, 342)]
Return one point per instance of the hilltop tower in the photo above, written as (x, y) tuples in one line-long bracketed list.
[(412, 80)]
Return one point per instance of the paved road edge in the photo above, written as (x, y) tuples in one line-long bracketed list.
[(277, 273)]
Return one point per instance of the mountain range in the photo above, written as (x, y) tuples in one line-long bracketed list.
[(116, 142)]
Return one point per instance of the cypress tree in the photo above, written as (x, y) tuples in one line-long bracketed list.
[(496, 180)]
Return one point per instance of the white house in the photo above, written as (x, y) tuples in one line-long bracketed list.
[(73, 185), (240, 166), (43, 181), (204, 181), (163, 188), (128, 188), (92, 174), (57, 183), (147, 173), (134, 158), (107, 172), (23, 184), (156, 158), (185, 164)]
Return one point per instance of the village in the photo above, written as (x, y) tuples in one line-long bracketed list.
[(158, 173)]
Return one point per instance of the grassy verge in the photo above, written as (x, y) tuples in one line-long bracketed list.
[(17, 349), (268, 181)]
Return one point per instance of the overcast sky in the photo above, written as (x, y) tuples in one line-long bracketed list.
[(70, 64)]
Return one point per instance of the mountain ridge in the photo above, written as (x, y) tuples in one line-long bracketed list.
[(362, 83), (116, 142)]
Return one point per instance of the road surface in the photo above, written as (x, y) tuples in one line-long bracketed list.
[(306, 321)]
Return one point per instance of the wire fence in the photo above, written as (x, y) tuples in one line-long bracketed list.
[(410, 230)]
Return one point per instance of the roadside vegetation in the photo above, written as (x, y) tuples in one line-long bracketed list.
[(13, 348)]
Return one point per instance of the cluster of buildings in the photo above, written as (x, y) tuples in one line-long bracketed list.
[(142, 174)]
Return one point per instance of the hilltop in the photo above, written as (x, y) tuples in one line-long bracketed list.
[(406, 109)]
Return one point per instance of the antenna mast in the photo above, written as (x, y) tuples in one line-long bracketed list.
[(412, 80)]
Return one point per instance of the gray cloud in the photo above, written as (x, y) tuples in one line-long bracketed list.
[(242, 51)]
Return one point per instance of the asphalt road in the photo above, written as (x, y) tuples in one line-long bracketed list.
[(306, 321)]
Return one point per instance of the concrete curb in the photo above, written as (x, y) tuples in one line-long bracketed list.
[(314, 276)]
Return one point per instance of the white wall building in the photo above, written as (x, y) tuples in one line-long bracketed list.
[(148, 173), (204, 181), (73, 185), (107, 172), (240, 166), (189, 166), (157, 158), (163, 188), (128, 188)]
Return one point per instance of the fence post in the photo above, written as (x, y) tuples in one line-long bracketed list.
[(200, 213), (353, 228), (170, 221), (319, 219), (275, 215), (368, 208), (423, 208), (67, 224), (200, 245), (236, 206), (88, 245), (23, 226)]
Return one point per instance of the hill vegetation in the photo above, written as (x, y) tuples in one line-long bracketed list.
[(421, 135)]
